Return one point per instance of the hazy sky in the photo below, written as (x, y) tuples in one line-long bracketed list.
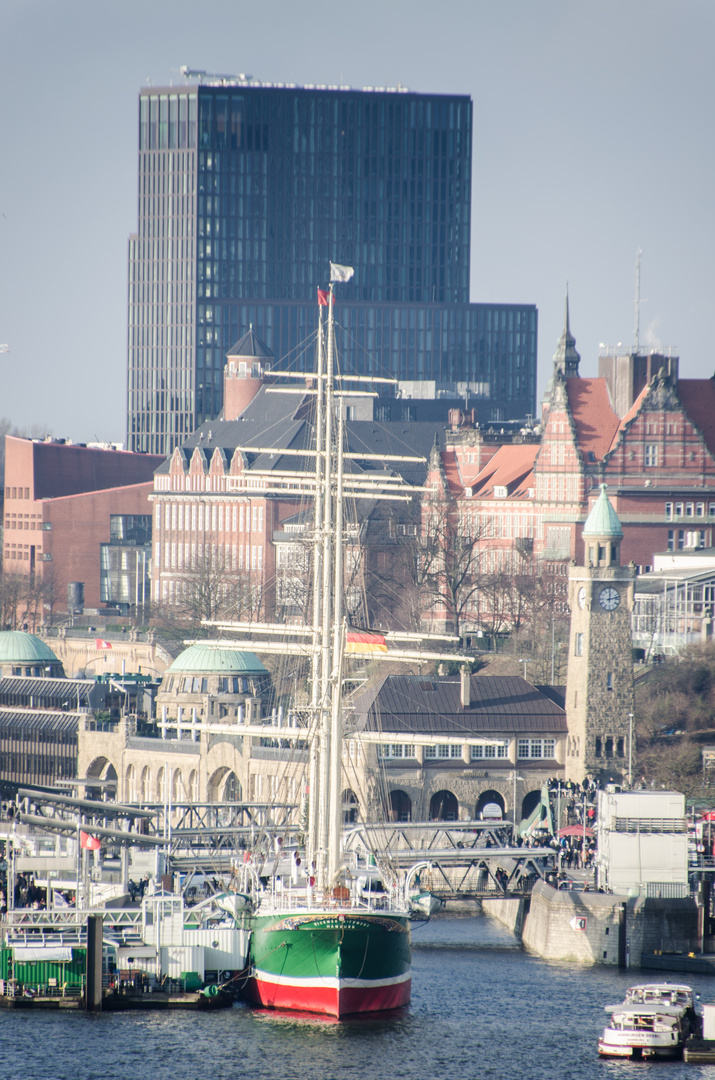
[(593, 136)]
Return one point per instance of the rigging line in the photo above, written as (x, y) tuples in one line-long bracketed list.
[(299, 349), (361, 350), (364, 960)]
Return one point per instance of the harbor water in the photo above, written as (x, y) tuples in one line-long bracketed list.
[(481, 1008)]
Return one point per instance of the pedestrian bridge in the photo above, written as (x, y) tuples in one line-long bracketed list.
[(463, 860)]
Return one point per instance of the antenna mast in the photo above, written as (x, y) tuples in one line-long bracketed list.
[(637, 302)]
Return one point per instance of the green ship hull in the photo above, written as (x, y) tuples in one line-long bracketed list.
[(333, 962)]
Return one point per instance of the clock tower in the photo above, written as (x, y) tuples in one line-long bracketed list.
[(599, 680)]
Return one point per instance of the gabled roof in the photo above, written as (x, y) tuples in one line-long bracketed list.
[(283, 421), (408, 439), (414, 704), (698, 398), (595, 420), (511, 467), (630, 415)]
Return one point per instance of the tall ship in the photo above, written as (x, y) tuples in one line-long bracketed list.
[(327, 937)]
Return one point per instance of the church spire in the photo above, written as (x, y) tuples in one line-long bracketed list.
[(566, 357)]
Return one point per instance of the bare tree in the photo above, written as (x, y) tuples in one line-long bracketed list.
[(447, 563), (211, 591)]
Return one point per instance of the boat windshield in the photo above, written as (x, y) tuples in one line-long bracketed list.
[(660, 995), (647, 1021)]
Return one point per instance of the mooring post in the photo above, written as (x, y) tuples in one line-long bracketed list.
[(93, 980)]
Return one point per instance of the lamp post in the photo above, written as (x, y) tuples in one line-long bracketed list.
[(524, 662), (630, 751), (513, 812)]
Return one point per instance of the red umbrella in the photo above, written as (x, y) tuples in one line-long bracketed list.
[(576, 830)]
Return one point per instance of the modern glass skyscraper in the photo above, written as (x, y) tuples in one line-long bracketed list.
[(247, 191)]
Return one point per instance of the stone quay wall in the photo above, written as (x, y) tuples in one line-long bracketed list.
[(596, 928)]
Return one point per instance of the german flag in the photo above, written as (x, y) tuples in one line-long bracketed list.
[(362, 641)]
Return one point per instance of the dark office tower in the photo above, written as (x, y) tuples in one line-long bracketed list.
[(248, 191)]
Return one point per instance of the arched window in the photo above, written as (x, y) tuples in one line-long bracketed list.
[(145, 785), (130, 784), (350, 807), (529, 803), (400, 806), (443, 807), (485, 806), (161, 785)]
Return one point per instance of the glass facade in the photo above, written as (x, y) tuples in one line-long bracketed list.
[(245, 195)]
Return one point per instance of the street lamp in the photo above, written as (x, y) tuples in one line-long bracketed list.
[(513, 811), (630, 751), (524, 662)]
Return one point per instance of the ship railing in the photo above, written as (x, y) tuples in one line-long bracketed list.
[(340, 898), (50, 988)]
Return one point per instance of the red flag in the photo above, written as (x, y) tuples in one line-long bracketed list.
[(91, 843), (100, 643), (323, 297)]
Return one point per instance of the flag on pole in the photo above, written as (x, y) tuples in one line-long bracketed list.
[(341, 273), (323, 297), (91, 843), (100, 643), (364, 641)]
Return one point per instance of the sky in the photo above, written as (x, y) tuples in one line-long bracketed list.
[(592, 139)]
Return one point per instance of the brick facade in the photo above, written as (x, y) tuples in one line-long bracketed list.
[(58, 503)]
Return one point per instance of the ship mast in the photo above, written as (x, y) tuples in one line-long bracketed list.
[(328, 585), (329, 487), (319, 500)]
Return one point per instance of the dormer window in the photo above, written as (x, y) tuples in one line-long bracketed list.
[(500, 491)]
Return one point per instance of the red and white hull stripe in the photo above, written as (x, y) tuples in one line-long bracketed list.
[(329, 996)]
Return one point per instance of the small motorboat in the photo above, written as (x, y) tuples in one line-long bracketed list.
[(643, 1031), (654, 1021)]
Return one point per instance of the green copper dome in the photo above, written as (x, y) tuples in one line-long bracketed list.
[(603, 521), (209, 659), (18, 647)]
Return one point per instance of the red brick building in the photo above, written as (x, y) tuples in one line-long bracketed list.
[(657, 456), (59, 501)]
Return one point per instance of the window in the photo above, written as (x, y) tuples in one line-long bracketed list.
[(391, 750), (678, 509), (536, 748), (443, 750), (599, 748), (480, 751), (669, 511), (609, 747), (430, 751), (651, 455), (700, 509), (455, 751), (609, 680), (689, 510), (620, 748), (578, 645)]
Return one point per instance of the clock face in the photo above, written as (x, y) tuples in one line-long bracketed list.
[(609, 598), (582, 598)]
